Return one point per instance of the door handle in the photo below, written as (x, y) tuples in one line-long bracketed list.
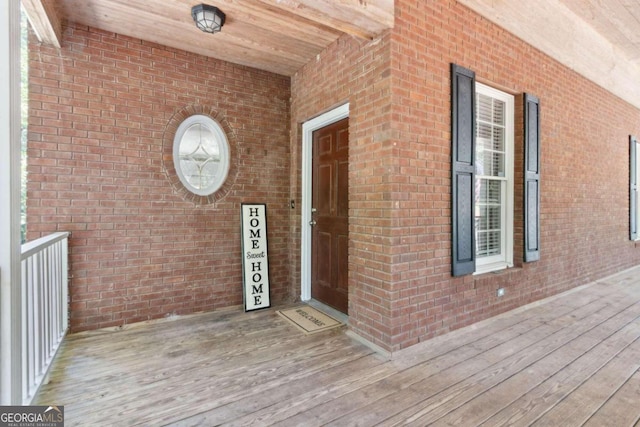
[(312, 223)]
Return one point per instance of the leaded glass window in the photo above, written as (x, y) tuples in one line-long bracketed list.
[(201, 155)]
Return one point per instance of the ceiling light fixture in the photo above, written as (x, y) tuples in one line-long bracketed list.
[(209, 19)]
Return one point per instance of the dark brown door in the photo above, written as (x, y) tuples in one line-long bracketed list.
[(330, 242)]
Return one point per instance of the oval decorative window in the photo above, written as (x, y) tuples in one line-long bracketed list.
[(201, 155)]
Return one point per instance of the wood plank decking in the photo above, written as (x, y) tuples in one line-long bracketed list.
[(572, 360)]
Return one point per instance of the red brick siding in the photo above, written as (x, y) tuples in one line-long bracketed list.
[(584, 203), (99, 109), (357, 72), (101, 106), (402, 291)]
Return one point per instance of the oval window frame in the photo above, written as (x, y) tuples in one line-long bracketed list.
[(223, 144)]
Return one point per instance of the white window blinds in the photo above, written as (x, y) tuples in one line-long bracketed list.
[(494, 179)]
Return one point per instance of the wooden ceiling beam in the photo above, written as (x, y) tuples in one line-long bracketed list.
[(44, 20), (356, 17)]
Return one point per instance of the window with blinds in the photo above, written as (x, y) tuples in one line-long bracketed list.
[(494, 179)]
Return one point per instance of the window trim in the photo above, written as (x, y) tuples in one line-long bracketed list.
[(505, 259), (223, 143)]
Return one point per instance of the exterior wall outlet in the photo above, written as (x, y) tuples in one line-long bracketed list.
[(500, 292)]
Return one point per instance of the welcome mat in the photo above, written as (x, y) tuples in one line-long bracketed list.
[(308, 319)]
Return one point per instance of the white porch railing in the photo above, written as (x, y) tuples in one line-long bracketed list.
[(44, 307)]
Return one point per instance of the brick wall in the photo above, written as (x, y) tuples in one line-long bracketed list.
[(102, 106), (100, 117), (401, 287), (355, 71), (584, 195)]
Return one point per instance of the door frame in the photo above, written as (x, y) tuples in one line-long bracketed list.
[(308, 128)]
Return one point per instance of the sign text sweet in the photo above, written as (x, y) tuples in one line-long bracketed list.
[(255, 258)]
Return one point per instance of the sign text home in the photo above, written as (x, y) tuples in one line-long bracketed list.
[(255, 257)]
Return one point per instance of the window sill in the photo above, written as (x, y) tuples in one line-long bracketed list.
[(495, 267)]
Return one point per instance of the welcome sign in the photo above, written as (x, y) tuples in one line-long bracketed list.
[(255, 257)]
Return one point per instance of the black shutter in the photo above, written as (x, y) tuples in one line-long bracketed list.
[(633, 188), (463, 96), (531, 178)]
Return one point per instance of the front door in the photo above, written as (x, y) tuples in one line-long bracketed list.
[(330, 215)]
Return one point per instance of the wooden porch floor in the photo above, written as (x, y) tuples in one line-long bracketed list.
[(572, 360)]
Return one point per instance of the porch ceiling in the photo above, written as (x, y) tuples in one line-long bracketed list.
[(598, 39), (617, 20), (274, 35)]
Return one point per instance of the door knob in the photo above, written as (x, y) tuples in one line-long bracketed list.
[(312, 223)]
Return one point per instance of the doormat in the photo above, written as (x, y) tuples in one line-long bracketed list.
[(309, 320)]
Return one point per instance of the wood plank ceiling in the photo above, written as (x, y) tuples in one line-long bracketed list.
[(274, 35), (596, 38), (617, 20)]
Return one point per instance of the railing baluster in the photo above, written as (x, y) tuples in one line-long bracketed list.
[(26, 363), (55, 292), (46, 269), (37, 308), (45, 307)]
